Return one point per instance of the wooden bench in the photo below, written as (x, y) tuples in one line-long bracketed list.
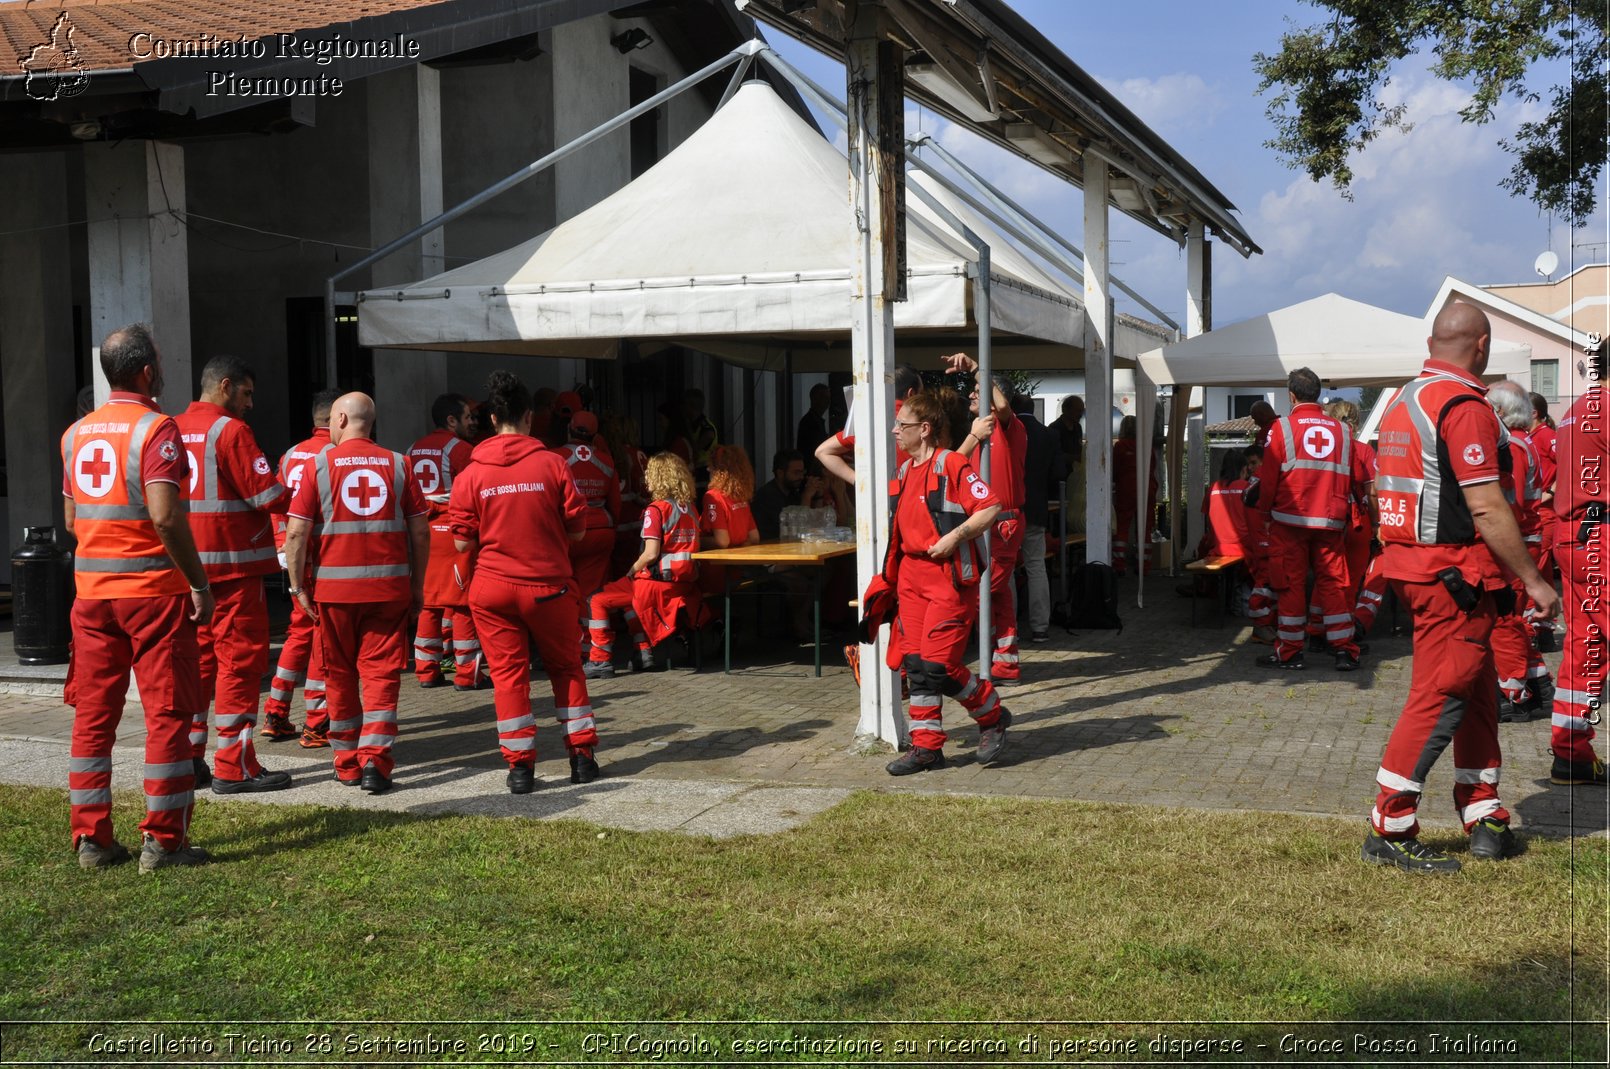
[(1216, 567)]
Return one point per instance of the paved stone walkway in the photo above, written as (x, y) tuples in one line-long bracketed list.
[(1165, 713)]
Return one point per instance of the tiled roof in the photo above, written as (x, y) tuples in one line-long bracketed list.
[(1243, 426), (102, 31)]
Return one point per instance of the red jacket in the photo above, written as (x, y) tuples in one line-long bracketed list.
[(290, 471), (1008, 453), (359, 497), (677, 531), (1580, 448), (1310, 471), (1426, 526), (1523, 487), (1225, 506), (520, 504), (231, 494), (593, 471), (936, 497), (436, 461)]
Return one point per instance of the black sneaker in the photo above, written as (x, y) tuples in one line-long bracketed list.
[(375, 781), (1492, 840), (198, 765), (598, 670), (916, 759), (1577, 773), (433, 683), (583, 768), (1346, 662), (1511, 713), (485, 683), (355, 781), (153, 857), (1539, 703), (522, 779), (1409, 854), (992, 740), (263, 781), (1272, 660), (92, 855)]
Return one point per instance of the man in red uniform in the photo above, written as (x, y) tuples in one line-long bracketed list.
[(1310, 473), (142, 591), (373, 542), (1579, 548), (435, 461), (301, 663), (1439, 455), (593, 471), (1008, 452), (1524, 684), (232, 496)]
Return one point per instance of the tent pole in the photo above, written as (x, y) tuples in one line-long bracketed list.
[(1098, 368), (986, 456), (872, 339), (1007, 204), (743, 52)]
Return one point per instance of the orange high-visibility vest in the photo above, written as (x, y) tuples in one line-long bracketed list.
[(119, 554)]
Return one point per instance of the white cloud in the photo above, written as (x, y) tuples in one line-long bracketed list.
[(1171, 103)]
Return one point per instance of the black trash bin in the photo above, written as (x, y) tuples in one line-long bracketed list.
[(41, 597)]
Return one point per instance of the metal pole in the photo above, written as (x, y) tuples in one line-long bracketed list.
[(1007, 204), (986, 456), (743, 51)]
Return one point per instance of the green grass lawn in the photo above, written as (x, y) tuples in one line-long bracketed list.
[(888, 908)]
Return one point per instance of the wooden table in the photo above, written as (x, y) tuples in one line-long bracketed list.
[(813, 555)]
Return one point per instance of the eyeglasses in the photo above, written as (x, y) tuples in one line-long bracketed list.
[(903, 423)]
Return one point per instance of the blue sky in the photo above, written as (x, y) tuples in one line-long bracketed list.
[(1425, 204)]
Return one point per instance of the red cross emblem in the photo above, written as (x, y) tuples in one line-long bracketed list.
[(96, 469), (428, 475), (584, 453), (1319, 442), (364, 492)]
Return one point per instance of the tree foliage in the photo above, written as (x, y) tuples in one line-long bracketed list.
[(1330, 79)]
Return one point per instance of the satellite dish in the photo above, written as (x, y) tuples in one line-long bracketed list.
[(1546, 264)]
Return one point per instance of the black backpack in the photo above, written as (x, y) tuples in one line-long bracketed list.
[(1093, 598)]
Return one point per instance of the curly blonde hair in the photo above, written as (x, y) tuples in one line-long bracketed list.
[(1345, 411), (732, 474), (669, 479)]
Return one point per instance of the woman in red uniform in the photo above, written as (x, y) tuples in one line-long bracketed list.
[(934, 564), (620, 436), (1224, 506), (515, 512), (662, 582), (726, 519)]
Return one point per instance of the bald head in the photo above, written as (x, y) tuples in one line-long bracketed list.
[(352, 416), (1460, 336)]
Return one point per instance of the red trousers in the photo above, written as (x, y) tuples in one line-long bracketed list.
[(301, 664), (363, 649), (429, 643), (935, 620), (1294, 551), (589, 560), (1005, 547), (1515, 653), (615, 597), (1371, 594), (155, 638), (1580, 693), (1261, 603), (234, 656), (512, 618), (1356, 549), (1452, 695)]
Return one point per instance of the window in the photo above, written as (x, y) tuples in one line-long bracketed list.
[(1546, 378), (1241, 404)]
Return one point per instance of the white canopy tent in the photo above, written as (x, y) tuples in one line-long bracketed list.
[(734, 243), (1344, 342)]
